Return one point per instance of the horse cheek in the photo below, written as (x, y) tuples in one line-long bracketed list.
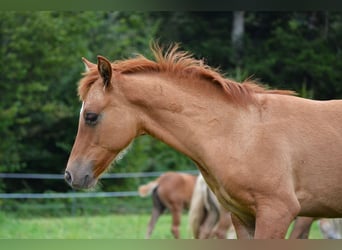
[(116, 136)]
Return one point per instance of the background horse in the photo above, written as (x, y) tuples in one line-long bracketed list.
[(331, 228), (207, 217), (173, 191), (267, 155)]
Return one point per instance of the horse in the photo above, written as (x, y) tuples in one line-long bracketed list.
[(301, 228), (207, 218), (268, 155), (331, 228), (173, 191)]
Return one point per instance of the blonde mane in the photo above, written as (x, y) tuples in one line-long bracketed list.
[(181, 64)]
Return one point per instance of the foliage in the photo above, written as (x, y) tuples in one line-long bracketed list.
[(76, 206), (302, 50), (41, 65)]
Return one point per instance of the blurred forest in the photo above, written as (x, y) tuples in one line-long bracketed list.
[(40, 61)]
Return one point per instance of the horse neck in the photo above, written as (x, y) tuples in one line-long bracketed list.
[(179, 113)]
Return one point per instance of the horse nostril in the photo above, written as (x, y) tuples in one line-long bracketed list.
[(68, 177)]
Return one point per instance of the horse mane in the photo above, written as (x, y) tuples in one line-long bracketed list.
[(181, 64)]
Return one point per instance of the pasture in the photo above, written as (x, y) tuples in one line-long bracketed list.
[(116, 226)]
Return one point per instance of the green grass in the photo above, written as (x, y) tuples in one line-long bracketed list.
[(94, 227), (85, 227)]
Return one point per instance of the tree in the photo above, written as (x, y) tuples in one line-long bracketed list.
[(296, 52), (41, 65)]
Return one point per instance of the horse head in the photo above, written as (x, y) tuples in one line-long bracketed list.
[(106, 125)]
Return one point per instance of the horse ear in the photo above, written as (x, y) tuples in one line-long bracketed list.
[(105, 69), (88, 65)]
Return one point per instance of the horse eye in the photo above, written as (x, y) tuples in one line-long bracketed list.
[(91, 118)]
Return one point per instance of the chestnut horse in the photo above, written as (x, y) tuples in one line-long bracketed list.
[(268, 155), (207, 217), (173, 191)]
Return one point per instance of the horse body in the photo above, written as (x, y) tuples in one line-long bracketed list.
[(266, 155), (173, 191), (290, 160), (289, 165), (307, 136)]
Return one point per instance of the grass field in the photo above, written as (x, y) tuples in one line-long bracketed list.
[(94, 227)]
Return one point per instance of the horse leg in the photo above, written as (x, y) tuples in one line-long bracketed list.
[(157, 210), (301, 228), (197, 224), (273, 221), (223, 225), (206, 229), (154, 217), (176, 212), (244, 230), (212, 215)]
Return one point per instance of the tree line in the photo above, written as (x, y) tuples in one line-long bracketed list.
[(40, 61)]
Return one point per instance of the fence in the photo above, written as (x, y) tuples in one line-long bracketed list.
[(74, 202), (76, 194)]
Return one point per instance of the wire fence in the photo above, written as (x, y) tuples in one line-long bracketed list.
[(76, 194), (73, 202)]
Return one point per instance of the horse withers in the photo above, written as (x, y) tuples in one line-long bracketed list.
[(267, 155)]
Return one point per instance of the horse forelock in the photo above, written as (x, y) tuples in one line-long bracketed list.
[(181, 64)]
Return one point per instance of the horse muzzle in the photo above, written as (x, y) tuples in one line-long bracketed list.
[(80, 176)]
